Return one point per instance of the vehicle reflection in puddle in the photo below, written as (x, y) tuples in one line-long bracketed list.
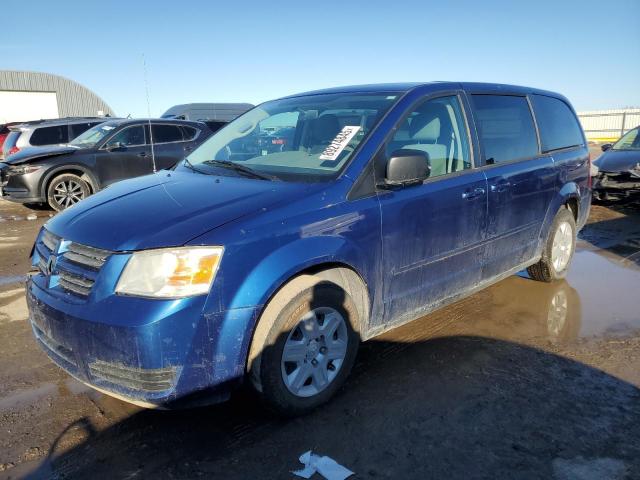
[(596, 300), (608, 287)]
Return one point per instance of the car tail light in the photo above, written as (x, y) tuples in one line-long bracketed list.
[(13, 150), (278, 141)]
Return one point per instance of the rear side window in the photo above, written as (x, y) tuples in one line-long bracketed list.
[(49, 135), (79, 128), (558, 125), (166, 133), (506, 128)]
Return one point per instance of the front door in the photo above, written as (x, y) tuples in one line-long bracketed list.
[(432, 233)]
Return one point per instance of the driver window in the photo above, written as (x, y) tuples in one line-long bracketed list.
[(129, 137), (437, 128)]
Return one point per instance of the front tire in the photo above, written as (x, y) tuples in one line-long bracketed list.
[(37, 206), (308, 351), (66, 190), (558, 250)]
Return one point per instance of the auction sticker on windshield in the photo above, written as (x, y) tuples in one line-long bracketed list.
[(339, 143)]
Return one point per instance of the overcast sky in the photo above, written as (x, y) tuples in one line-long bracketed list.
[(251, 51)]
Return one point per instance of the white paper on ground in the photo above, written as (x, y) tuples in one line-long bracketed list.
[(325, 466)]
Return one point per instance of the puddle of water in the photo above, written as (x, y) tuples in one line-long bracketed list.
[(10, 279), (32, 396), (608, 288), (598, 298), (27, 397)]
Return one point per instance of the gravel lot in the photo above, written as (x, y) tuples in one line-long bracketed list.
[(522, 380)]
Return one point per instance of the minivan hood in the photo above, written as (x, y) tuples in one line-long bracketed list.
[(617, 160), (31, 153), (166, 209)]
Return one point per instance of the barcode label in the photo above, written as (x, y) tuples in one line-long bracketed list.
[(339, 143)]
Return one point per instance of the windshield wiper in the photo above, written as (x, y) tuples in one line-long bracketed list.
[(237, 167), (190, 166)]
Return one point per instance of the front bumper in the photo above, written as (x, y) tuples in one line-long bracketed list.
[(615, 185), (180, 357), (20, 188)]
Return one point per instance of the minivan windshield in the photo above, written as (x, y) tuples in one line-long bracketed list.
[(92, 136), (629, 141), (306, 138)]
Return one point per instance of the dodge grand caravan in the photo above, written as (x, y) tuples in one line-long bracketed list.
[(387, 202)]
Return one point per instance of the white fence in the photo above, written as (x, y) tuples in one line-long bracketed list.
[(609, 125)]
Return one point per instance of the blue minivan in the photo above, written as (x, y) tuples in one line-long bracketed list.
[(271, 263)]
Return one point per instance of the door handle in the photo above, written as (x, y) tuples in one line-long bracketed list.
[(142, 154), (470, 194), (500, 187)]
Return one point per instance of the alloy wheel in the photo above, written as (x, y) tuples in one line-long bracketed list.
[(562, 246), (67, 193)]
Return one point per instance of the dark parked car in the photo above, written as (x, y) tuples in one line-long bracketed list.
[(618, 168), (388, 202), (62, 175), (40, 133)]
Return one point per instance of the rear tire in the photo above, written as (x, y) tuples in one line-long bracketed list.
[(558, 250), (66, 190), (305, 345)]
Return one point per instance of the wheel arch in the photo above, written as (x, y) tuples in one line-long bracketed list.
[(341, 274), (297, 273), (74, 169), (568, 196)]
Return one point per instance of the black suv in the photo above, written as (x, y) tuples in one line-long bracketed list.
[(62, 175)]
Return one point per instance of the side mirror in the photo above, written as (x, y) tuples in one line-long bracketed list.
[(606, 146), (406, 167), (115, 146)]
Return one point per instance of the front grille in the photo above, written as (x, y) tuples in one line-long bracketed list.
[(89, 257), (42, 265), (150, 380), (75, 283), (77, 265), (50, 240)]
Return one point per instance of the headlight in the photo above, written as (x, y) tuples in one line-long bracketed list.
[(24, 169), (170, 272)]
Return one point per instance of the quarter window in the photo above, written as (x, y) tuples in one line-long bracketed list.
[(189, 133), (129, 137), (166, 133), (49, 135), (558, 125), (505, 127), (437, 128)]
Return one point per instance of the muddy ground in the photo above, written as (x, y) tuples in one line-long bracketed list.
[(522, 380)]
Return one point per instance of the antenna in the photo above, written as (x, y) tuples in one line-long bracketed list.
[(146, 87)]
